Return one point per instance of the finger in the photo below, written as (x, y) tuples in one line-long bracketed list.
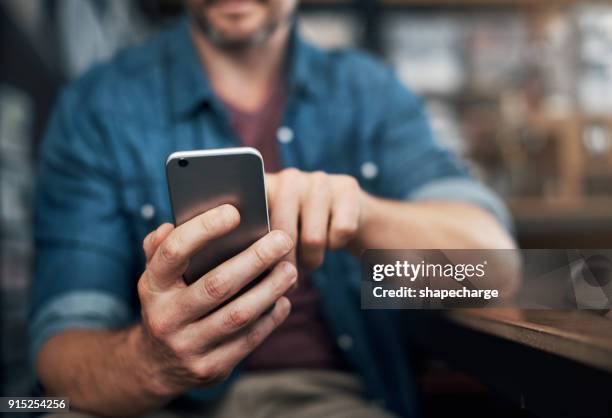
[(344, 214), (245, 309), (315, 215), (227, 279), (285, 208), (172, 256), (225, 356), (152, 241), (271, 185)]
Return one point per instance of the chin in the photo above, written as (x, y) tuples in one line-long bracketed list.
[(239, 31), (238, 24), (234, 28)]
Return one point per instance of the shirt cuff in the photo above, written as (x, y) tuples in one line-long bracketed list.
[(468, 191), (76, 310)]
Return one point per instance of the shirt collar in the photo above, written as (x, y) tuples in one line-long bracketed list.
[(300, 65), (190, 87)]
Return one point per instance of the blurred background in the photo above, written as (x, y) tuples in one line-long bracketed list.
[(521, 89)]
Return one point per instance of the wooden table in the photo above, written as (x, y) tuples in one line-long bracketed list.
[(552, 363)]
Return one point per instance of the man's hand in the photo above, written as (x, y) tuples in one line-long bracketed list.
[(321, 211), (187, 339), (318, 210)]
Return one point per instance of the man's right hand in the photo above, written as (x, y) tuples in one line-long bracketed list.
[(185, 338)]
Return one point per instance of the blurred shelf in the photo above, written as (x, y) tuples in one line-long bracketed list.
[(485, 3), (459, 3), (590, 216), (553, 210)]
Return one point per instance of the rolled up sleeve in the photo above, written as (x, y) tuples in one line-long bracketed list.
[(83, 274), (415, 166), (464, 190), (76, 310)]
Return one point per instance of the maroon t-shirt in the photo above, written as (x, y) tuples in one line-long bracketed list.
[(303, 340)]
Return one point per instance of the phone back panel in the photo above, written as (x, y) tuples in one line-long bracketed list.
[(212, 178)]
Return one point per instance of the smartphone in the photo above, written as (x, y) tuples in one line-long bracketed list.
[(204, 179)]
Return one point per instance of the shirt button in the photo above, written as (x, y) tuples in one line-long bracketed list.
[(345, 342), (369, 170), (284, 135), (147, 211)]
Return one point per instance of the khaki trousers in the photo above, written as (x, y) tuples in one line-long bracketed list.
[(291, 393)]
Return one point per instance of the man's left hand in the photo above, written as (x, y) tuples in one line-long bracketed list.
[(317, 210)]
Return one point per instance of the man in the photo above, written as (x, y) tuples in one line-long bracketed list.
[(353, 166)]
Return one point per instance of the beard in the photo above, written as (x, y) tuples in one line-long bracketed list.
[(218, 40)]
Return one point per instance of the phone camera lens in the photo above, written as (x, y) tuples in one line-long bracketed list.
[(183, 162)]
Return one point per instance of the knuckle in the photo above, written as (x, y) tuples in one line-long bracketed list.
[(237, 318), (142, 288), (195, 370), (209, 224), (145, 295), (253, 339), (311, 240), (170, 251), (260, 257), (290, 173), (209, 371), (159, 326), (292, 237), (217, 373), (293, 178), (348, 181), (319, 177), (215, 287), (345, 229), (145, 243), (198, 370), (180, 348)]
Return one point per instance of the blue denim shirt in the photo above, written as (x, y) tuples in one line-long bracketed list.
[(102, 187)]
